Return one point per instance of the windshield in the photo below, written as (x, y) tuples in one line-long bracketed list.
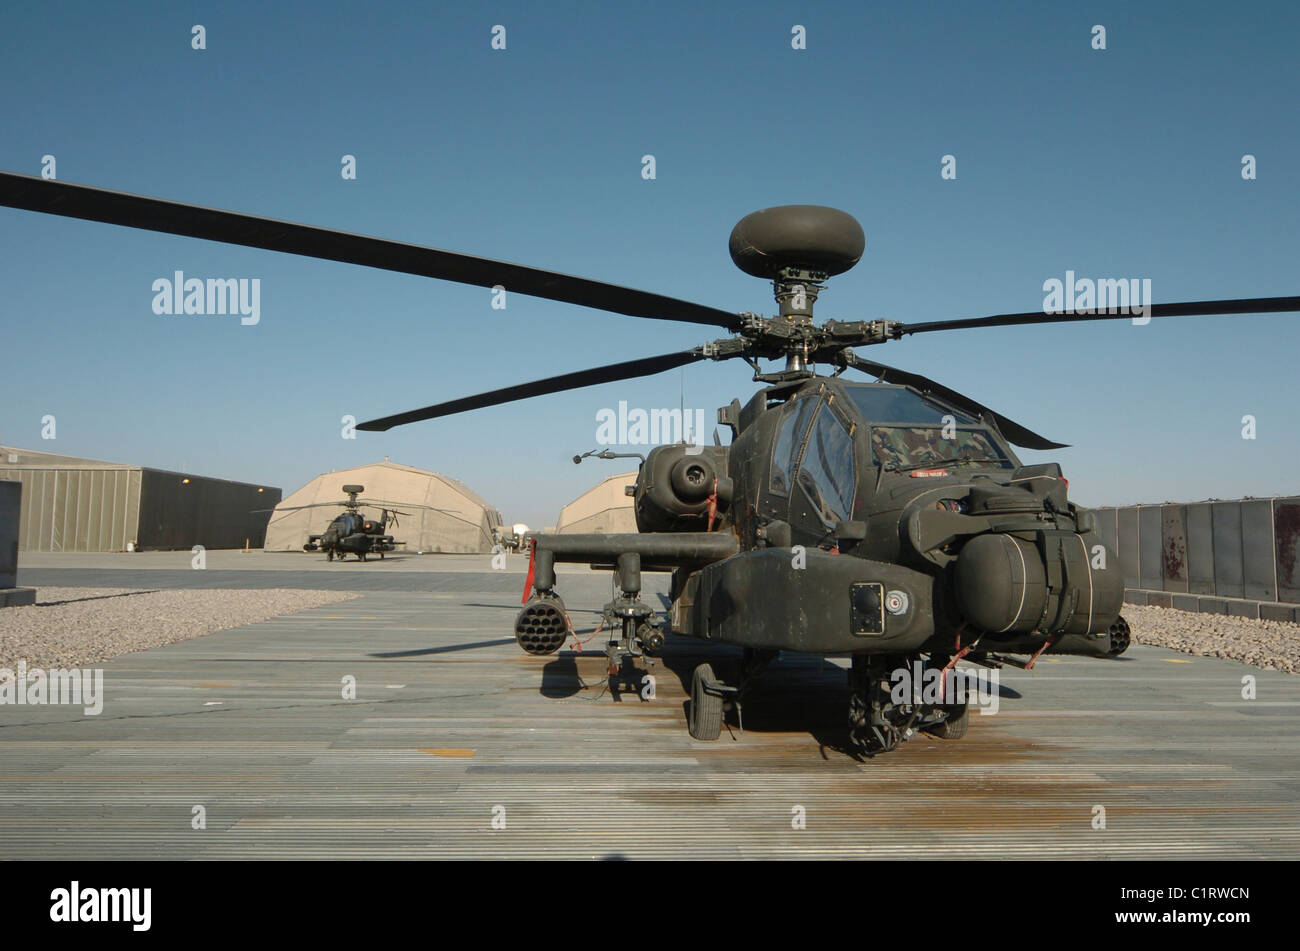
[(788, 443), (909, 447), (882, 403), (826, 468)]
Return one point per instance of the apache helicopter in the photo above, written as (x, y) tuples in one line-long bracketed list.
[(351, 532), (890, 522)]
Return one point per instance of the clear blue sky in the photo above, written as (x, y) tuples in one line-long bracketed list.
[(1116, 163)]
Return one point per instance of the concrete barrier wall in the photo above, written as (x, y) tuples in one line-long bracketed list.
[(11, 497), (1238, 557), (11, 506)]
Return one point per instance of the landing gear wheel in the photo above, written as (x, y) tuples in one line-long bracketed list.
[(873, 739), (705, 717), (953, 728), (329, 555), (1120, 637)]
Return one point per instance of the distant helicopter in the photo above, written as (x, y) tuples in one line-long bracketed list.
[(510, 538), (351, 532), (887, 522)]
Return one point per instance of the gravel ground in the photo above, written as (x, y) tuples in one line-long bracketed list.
[(1273, 645), (76, 627)]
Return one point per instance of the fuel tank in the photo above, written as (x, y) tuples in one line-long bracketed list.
[(1048, 581)]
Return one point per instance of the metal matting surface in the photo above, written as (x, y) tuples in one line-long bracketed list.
[(453, 726)]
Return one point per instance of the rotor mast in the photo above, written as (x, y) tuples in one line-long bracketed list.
[(795, 290)]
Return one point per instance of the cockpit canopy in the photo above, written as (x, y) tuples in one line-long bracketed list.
[(910, 430), (902, 430), (886, 403)]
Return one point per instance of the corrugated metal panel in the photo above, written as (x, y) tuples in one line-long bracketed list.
[(65, 498), (45, 513), (29, 540), (113, 516), (76, 505), (1126, 519), (54, 486), (175, 514), (1258, 560), (104, 509), (81, 523), (33, 499), (1173, 547), (1286, 535), (1226, 523), (131, 531), (1200, 549), (59, 522), (72, 509), (88, 528), (1150, 573), (22, 515), (60, 516)]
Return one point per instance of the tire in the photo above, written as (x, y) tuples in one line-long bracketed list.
[(329, 554), (953, 728), (705, 718)]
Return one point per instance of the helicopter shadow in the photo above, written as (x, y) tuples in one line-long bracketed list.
[(560, 677), (795, 694), (446, 649), (96, 597), (514, 606)]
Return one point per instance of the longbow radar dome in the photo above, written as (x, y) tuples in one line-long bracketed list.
[(803, 237)]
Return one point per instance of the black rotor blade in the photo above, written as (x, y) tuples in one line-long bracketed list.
[(383, 506), (295, 508), (155, 214), (1015, 433), (1205, 308), (645, 366)]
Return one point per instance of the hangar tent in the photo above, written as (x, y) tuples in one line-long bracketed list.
[(604, 509), (444, 515)]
